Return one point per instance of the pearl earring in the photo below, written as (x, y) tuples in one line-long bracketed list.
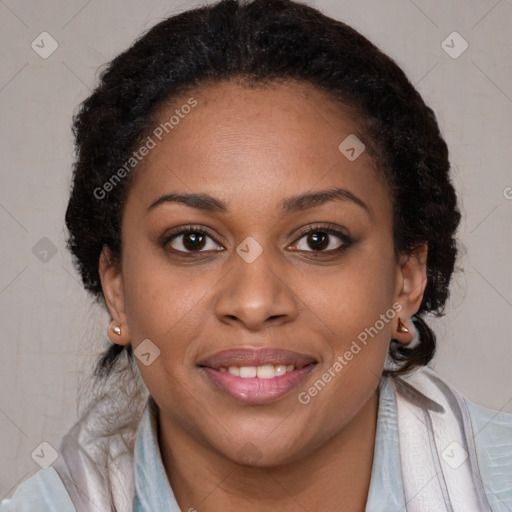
[(117, 330), (401, 327)]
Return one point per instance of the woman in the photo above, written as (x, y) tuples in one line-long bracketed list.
[(262, 202)]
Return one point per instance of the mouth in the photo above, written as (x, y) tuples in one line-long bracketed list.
[(257, 376)]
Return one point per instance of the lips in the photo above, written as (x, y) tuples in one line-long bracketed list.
[(251, 357), (237, 373)]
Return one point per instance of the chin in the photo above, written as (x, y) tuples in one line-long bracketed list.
[(251, 455), (262, 452)]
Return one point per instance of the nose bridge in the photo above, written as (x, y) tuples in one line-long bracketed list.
[(255, 289)]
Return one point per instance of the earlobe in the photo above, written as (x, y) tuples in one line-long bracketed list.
[(401, 327), (118, 334), (404, 332), (112, 285)]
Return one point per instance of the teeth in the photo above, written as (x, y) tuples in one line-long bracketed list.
[(280, 370), (234, 370), (246, 372), (267, 371)]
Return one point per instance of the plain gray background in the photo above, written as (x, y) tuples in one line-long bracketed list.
[(51, 334)]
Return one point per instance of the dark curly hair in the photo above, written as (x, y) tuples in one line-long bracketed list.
[(259, 42)]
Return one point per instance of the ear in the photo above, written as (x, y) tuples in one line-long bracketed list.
[(113, 291), (410, 287)]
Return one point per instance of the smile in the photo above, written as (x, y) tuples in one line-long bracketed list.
[(267, 371), (257, 376)]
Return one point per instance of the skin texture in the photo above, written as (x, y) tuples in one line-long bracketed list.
[(252, 148)]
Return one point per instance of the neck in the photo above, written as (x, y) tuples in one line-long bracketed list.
[(335, 475)]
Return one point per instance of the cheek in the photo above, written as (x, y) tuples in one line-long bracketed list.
[(359, 313), (160, 299), (163, 305), (358, 292), (357, 309)]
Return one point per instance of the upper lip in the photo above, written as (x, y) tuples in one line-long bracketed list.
[(256, 357)]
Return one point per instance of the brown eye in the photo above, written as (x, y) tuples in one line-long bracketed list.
[(321, 239), (194, 241), (190, 240), (318, 240)]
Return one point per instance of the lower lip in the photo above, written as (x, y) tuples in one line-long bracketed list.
[(255, 390)]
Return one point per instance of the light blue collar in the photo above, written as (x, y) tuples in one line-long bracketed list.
[(386, 486), (154, 494)]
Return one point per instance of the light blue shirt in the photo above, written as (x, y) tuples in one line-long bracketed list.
[(45, 492)]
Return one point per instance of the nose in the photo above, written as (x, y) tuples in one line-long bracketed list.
[(256, 294)]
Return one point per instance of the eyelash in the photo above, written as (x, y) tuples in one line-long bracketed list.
[(346, 240)]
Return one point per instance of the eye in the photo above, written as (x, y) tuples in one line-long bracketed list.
[(319, 238), (194, 239), (190, 239)]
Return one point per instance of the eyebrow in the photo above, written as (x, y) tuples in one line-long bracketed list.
[(302, 202)]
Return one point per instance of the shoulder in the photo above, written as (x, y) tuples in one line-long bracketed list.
[(42, 492), (486, 434), (489, 423), (492, 433)]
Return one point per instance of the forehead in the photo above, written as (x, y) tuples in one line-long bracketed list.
[(253, 146)]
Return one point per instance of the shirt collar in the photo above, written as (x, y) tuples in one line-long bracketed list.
[(153, 492), (386, 486)]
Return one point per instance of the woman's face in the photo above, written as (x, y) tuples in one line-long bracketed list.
[(323, 305)]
